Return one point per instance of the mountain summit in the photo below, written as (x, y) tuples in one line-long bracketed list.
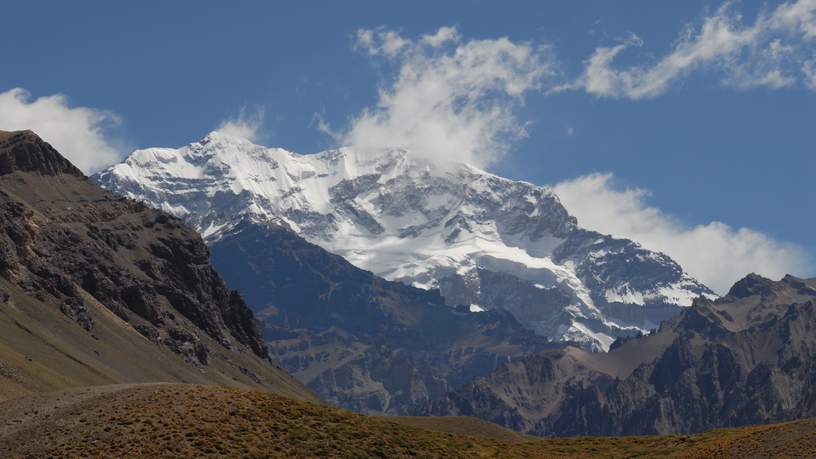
[(482, 240)]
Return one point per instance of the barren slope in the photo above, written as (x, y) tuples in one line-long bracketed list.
[(96, 289)]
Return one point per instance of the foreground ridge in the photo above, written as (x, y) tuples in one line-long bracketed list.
[(203, 421), (99, 289)]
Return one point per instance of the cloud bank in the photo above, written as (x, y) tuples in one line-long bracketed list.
[(452, 98), (776, 51), (714, 253), (79, 133)]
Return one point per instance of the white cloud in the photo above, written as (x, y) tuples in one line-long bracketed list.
[(451, 99), (79, 133), (715, 253), (247, 125), (798, 17), (380, 42), (442, 36), (771, 52)]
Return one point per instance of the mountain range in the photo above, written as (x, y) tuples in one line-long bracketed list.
[(384, 282), (746, 358), (483, 241)]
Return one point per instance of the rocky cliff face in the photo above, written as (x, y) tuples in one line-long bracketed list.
[(744, 359), (358, 340), (69, 245), (473, 235), (24, 151)]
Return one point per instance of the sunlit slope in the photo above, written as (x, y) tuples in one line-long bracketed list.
[(205, 421)]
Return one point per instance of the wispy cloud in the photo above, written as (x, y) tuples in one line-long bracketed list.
[(81, 134), (715, 253), (451, 99), (247, 125), (776, 51)]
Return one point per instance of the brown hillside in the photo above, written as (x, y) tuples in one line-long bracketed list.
[(204, 421), (97, 289)]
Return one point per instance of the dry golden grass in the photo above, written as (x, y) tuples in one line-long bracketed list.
[(204, 421), (463, 425)]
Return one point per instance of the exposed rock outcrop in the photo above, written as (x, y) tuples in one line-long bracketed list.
[(747, 358)]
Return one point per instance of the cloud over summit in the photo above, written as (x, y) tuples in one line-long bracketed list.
[(451, 98), (247, 125)]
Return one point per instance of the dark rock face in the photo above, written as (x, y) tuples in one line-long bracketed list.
[(540, 309), (603, 262), (751, 285), (747, 358), (358, 340), (76, 310), (64, 239), (24, 151)]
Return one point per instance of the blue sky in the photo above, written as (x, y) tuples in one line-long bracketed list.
[(715, 142)]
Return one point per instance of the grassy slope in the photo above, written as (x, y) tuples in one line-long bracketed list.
[(42, 350), (199, 421), (463, 425)]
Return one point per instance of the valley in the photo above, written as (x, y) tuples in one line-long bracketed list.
[(111, 310)]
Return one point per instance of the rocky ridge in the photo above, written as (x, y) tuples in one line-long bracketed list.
[(746, 358)]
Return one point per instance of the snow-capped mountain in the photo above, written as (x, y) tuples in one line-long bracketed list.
[(483, 240)]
